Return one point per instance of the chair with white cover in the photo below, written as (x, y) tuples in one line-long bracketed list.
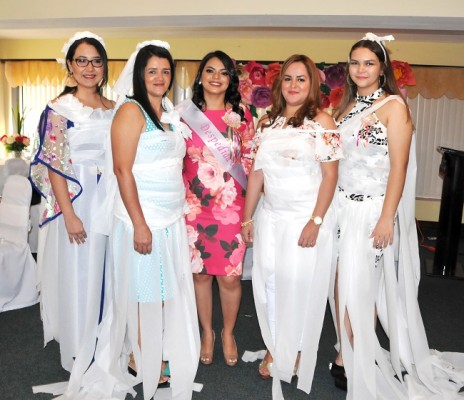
[(16, 166), (18, 269)]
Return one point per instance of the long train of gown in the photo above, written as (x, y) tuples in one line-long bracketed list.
[(383, 280), (292, 175)]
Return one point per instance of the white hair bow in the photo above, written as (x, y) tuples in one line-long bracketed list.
[(379, 40), (159, 43)]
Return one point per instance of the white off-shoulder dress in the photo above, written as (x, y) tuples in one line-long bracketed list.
[(290, 159)]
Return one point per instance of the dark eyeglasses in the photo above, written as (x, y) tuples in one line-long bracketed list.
[(83, 62)]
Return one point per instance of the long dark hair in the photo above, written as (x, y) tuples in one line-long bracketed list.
[(101, 52), (232, 95), (138, 78), (310, 106), (389, 84)]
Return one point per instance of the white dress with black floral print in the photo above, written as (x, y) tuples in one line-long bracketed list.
[(382, 281)]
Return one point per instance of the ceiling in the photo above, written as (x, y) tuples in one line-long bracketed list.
[(434, 29)]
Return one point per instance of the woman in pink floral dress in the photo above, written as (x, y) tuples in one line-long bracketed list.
[(215, 169)]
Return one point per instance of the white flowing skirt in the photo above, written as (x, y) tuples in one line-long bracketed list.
[(301, 277), (70, 276), (168, 323), (385, 281)]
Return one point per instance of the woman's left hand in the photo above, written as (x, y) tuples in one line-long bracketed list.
[(383, 233), (308, 236)]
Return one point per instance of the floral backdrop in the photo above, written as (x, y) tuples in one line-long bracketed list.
[(256, 81)]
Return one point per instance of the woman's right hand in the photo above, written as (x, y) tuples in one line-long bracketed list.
[(75, 229), (142, 239)]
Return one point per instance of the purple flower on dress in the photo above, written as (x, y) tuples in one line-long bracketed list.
[(335, 75), (261, 97)]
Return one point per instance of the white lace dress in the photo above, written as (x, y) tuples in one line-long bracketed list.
[(290, 161), (385, 280)]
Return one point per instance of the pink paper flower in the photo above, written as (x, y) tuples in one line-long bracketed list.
[(272, 72), (232, 119), (245, 88), (256, 72)]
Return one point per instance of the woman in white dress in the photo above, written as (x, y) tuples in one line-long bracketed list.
[(66, 170), (378, 260), (296, 164), (153, 281), (150, 310)]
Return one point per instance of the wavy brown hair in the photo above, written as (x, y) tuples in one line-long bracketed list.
[(311, 105)]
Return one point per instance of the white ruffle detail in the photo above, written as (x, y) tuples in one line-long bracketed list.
[(72, 109)]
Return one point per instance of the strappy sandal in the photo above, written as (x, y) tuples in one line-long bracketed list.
[(265, 367), (131, 366), (165, 375)]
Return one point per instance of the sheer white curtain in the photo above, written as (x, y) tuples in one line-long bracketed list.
[(5, 107), (438, 122), (34, 98)]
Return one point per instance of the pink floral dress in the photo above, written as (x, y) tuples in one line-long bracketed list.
[(216, 199)]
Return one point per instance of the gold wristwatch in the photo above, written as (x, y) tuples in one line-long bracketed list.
[(317, 220)]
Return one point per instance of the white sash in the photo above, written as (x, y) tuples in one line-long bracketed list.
[(212, 138)]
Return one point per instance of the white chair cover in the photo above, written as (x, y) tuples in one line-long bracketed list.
[(17, 266), (16, 166), (33, 237)]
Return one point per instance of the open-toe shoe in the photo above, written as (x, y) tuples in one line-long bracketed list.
[(229, 358), (206, 357)]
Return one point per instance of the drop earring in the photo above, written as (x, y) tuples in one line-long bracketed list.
[(70, 80), (381, 81)]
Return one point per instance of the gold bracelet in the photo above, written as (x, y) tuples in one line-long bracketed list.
[(246, 223)]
